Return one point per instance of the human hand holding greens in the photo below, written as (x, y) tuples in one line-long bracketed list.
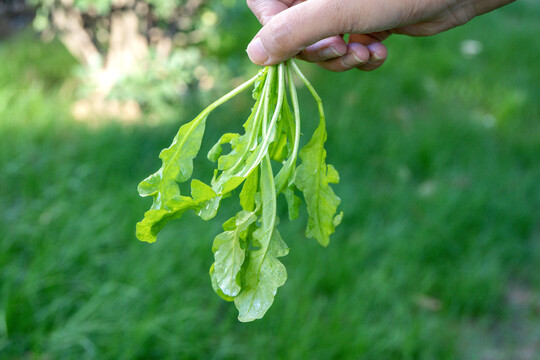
[(313, 30)]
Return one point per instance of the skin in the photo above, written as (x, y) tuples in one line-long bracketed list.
[(313, 30)]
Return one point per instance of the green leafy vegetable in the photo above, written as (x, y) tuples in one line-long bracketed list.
[(246, 268)]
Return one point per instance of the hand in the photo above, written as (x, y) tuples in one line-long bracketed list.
[(313, 30)]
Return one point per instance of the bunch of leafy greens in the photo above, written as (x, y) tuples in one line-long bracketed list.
[(247, 269)]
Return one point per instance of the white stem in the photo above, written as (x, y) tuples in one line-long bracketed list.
[(296, 108), (256, 121), (311, 90), (266, 140), (285, 173)]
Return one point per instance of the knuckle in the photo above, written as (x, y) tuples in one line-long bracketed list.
[(251, 4), (459, 17), (255, 7), (278, 37)]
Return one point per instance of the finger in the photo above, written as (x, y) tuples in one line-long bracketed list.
[(290, 31), (370, 38), (377, 51), (325, 49), (293, 29), (377, 56), (264, 10), (357, 55)]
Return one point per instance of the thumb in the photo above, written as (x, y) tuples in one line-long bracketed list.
[(290, 31)]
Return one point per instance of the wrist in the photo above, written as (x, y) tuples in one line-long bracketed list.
[(480, 7)]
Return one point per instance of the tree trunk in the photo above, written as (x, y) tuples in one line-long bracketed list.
[(69, 23), (126, 53)]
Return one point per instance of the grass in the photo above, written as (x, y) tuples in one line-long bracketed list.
[(437, 257)]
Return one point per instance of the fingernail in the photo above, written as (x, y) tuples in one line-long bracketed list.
[(376, 57), (329, 53), (257, 52), (351, 60)]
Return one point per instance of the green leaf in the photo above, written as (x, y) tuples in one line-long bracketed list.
[(259, 84), (264, 273), (177, 165), (247, 268), (247, 195), (211, 207), (216, 287), (228, 251), (313, 178), (200, 191), (262, 276), (155, 220), (293, 203), (216, 150)]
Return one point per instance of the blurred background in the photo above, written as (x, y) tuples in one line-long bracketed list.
[(438, 255)]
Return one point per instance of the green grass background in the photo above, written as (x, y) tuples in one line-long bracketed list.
[(438, 255)]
